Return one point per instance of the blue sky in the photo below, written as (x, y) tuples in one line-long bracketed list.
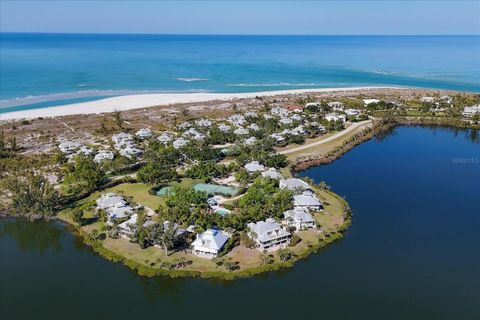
[(243, 17)]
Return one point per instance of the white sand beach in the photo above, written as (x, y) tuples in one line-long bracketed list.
[(136, 101)]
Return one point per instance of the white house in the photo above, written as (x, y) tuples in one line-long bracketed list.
[(335, 117), (108, 200), (164, 138), (366, 102), (250, 141), (471, 111), (85, 150), (285, 121), (241, 131), (272, 173), (352, 112), (254, 166), (278, 137), (130, 151), (179, 143), (103, 155), (293, 184), (209, 243), (144, 133), (122, 139), (299, 218), (279, 112), (254, 127), (296, 117), (268, 234), (251, 114), (68, 147), (224, 128), (307, 200), (203, 123), (237, 119)]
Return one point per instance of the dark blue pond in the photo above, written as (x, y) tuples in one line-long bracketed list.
[(413, 251)]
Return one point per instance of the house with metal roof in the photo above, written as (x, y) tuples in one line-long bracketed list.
[(69, 147), (307, 200), (293, 184), (144, 133), (268, 234), (209, 243), (272, 173), (299, 218), (254, 166)]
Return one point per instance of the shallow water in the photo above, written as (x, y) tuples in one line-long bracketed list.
[(412, 252), (39, 70)]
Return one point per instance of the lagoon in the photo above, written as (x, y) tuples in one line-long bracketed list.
[(412, 251)]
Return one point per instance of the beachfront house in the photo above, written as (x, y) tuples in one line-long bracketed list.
[(293, 184), (209, 243), (277, 137), (299, 218), (307, 200), (251, 114), (268, 235), (254, 166), (335, 105), (103, 155), (366, 102), (69, 147), (144, 133), (279, 112), (254, 127), (272, 173), (335, 117)]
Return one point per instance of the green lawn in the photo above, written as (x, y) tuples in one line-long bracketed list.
[(139, 194)]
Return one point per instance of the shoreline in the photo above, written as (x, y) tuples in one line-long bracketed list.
[(139, 101)]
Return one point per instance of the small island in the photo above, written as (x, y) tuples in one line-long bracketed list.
[(206, 191)]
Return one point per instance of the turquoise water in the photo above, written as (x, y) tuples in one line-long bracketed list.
[(222, 212), (39, 70), (412, 252)]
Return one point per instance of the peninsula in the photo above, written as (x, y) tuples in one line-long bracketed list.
[(207, 187)]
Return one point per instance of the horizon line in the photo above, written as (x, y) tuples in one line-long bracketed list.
[(242, 34)]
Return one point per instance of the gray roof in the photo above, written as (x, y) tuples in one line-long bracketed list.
[(293, 184), (254, 166), (110, 199), (272, 173), (267, 230), (306, 199), (298, 215)]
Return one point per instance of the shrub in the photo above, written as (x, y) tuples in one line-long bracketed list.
[(285, 254), (294, 240)]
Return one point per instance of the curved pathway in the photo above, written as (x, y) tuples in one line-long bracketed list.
[(335, 136)]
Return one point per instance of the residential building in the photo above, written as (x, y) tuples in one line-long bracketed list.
[(209, 243), (352, 112), (103, 155), (164, 138), (144, 133), (203, 123), (241, 131), (335, 117), (294, 184), (471, 111), (254, 166), (179, 143), (224, 128), (307, 200), (272, 173), (69, 147), (366, 102), (268, 234), (299, 218)]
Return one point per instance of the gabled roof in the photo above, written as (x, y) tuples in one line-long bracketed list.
[(267, 230), (298, 215), (211, 239), (293, 184), (306, 199)]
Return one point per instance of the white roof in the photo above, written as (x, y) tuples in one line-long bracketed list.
[(267, 230), (293, 184), (306, 199), (250, 141), (368, 101), (203, 123), (298, 215), (241, 131), (272, 173), (211, 239), (180, 142), (254, 166), (110, 199), (164, 137), (144, 133), (103, 155)]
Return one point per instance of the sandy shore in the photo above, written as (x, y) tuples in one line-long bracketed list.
[(128, 102)]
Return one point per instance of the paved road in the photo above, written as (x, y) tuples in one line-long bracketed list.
[(335, 136)]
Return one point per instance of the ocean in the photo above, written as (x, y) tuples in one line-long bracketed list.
[(41, 70)]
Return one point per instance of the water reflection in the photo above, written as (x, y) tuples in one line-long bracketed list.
[(38, 236)]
